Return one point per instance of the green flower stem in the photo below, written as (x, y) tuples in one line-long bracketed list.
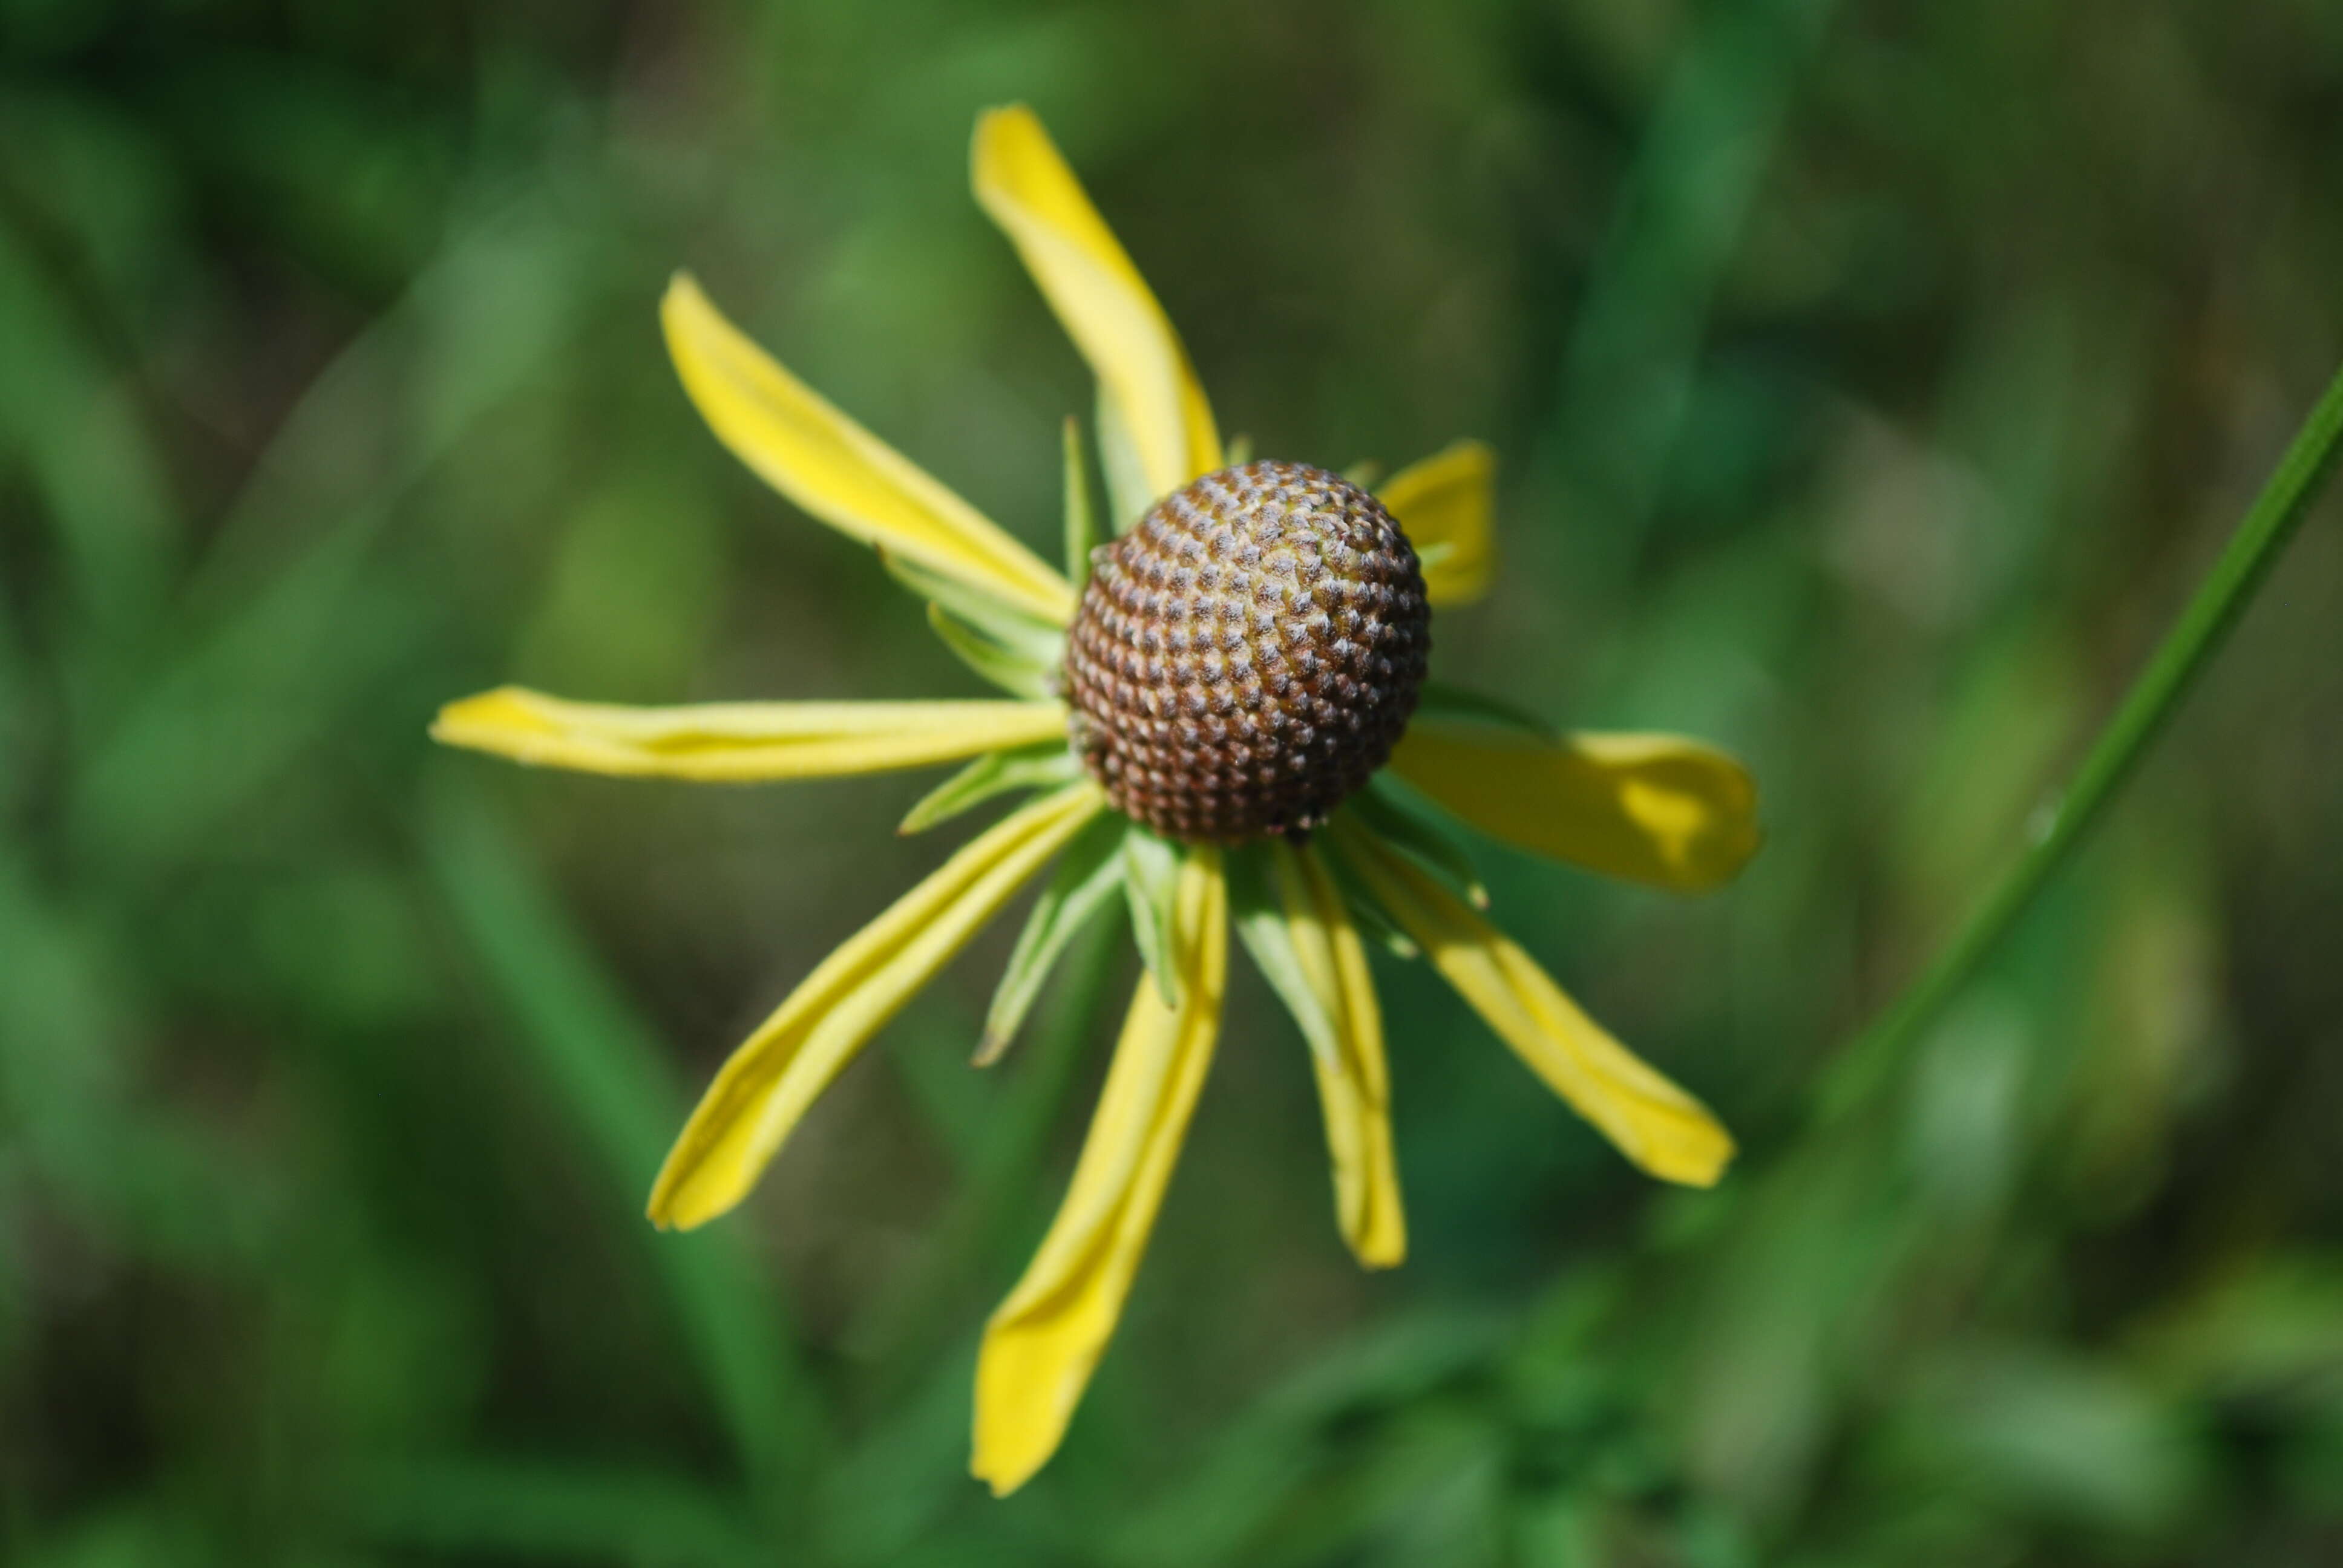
[(2227, 588)]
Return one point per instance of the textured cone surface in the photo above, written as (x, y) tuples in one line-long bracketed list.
[(1249, 654)]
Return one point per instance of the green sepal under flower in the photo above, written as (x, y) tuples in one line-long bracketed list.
[(1045, 766)]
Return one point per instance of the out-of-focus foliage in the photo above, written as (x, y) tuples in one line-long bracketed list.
[(1871, 381)]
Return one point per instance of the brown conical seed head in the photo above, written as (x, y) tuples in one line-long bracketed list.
[(1248, 655)]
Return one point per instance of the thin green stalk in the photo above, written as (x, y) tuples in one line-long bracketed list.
[(598, 1058), (2227, 588)]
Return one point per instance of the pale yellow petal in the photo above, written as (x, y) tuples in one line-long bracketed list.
[(1042, 1344), (1355, 1086), (1443, 504), (1106, 307), (761, 1091), (1654, 1123), (1654, 808), (838, 471), (739, 742)]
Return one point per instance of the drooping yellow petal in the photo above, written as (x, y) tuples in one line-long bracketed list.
[(1355, 1087), (1106, 307), (739, 742), (1654, 808), (838, 471), (1654, 1123), (1042, 1343), (1444, 505), (761, 1091)]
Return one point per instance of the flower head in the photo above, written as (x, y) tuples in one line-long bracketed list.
[(1206, 712), (1245, 658)]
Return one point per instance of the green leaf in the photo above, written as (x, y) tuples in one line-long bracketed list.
[(1443, 701), (1035, 766), (1415, 832), (1127, 491), (1082, 511), (1036, 642), (1088, 873), (1150, 877), (1258, 910), (1005, 667)]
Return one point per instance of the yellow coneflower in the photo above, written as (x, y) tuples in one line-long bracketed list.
[(1206, 711)]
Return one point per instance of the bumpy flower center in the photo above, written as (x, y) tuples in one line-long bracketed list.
[(1248, 655)]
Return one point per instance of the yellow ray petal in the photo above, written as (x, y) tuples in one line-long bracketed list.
[(1106, 307), (1654, 808), (1041, 1343), (1355, 1087), (838, 471), (1654, 1123), (739, 742), (768, 1083), (1444, 505)]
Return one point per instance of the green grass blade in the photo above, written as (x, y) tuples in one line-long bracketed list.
[(1001, 1195), (2243, 565), (602, 1064)]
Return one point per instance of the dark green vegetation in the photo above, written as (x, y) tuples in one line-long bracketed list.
[(1874, 384)]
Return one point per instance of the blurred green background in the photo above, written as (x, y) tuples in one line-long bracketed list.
[(1872, 383)]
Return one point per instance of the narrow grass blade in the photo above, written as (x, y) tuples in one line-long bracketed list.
[(2285, 500), (601, 1063)]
